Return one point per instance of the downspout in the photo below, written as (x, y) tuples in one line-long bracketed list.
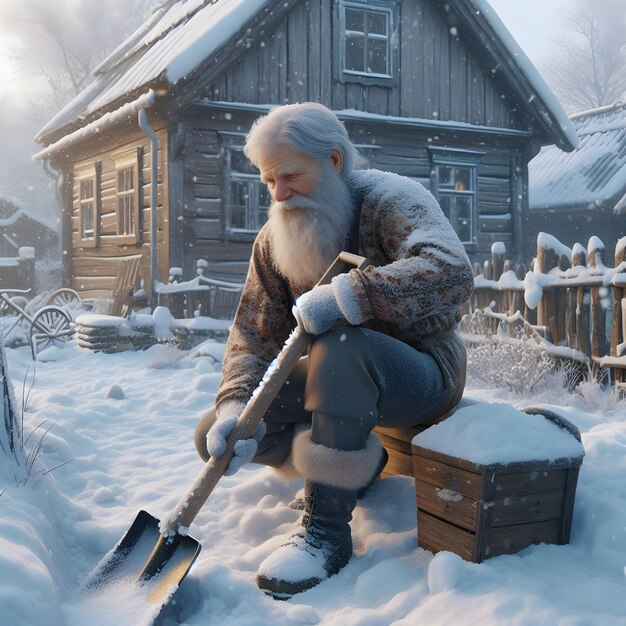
[(154, 168)]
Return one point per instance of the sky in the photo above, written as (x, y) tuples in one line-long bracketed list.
[(535, 24)]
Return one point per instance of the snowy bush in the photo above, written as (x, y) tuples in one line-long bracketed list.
[(518, 363), (504, 352)]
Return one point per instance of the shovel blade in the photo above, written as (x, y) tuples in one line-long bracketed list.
[(140, 571)]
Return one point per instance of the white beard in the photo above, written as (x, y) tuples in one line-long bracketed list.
[(308, 233)]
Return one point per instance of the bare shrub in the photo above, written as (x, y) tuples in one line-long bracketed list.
[(518, 363)]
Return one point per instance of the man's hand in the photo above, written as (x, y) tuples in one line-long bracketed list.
[(227, 415), (317, 310)]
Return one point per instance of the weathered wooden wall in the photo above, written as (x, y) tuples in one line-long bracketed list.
[(439, 76), (197, 184), (93, 267)]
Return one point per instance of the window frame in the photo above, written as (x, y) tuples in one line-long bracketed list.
[(388, 8), (91, 172), (132, 162), (234, 143), (462, 159)]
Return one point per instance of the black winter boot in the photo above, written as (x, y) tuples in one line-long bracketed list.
[(320, 548)]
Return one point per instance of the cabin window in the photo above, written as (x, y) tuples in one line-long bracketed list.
[(247, 198), (366, 31), (88, 204), (127, 198), (455, 186)]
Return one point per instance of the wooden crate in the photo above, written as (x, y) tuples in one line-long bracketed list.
[(480, 511)]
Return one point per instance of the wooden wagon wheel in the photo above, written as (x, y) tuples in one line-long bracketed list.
[(51, 326), (64, 297)]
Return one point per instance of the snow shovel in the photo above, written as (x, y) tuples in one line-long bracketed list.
[(153, 557)]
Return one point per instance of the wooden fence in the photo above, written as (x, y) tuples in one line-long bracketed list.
[(569, 295), (204, 295)]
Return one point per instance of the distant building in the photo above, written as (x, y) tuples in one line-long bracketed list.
[(20, 227), (574, 196), (435, 90), (22, 234)]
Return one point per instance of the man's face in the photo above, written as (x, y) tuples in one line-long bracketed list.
[(288, 173)]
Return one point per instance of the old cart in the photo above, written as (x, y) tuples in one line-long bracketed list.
[(50, 325)]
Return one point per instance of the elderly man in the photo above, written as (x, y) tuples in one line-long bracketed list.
[(395, 361)]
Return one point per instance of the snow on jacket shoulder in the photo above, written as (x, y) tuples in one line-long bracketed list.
[(419, 279), (420, 275)]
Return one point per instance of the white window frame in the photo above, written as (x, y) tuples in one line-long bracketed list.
[(132, 236), (389, 11), (254, 186), (92, 204)]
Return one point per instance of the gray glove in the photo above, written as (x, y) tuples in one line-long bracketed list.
[(317, 310), (244, 450)]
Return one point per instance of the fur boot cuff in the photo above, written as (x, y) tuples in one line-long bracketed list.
[(346, 469)]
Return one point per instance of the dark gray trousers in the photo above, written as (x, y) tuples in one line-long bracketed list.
[(352, 380)]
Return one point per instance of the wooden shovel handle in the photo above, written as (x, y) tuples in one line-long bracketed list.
[(278, 372)]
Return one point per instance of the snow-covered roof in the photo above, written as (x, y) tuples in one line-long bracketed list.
[(591, 175), (182, 34), (171, 44), (10, 213)]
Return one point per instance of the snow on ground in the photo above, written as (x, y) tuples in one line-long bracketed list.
[(135, 450)]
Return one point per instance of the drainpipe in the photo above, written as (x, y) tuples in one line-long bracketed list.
[(154, 167)]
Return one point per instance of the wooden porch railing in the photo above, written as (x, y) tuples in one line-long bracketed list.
[(570, 295), (204, 295)]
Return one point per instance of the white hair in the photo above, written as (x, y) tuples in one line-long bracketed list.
[(308, 128)]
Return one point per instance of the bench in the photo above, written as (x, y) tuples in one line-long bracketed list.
[(482, 510)]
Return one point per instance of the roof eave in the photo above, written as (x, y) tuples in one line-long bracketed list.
[(159, 86)]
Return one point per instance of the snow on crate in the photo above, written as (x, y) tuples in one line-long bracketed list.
[(499, 433), (492, 480)]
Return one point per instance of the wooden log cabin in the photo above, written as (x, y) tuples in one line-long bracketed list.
[(435, 90)]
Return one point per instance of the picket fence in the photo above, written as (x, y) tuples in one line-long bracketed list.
[(569, 296)]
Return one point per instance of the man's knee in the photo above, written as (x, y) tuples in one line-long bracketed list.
[(343, 345), (343, 379)]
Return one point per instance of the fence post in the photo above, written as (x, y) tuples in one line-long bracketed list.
[(203, 297), (579, 259), (617, 333), (26, 268), (545, 261), (595, 251), (560, 304), (498, 253), (518, 296)]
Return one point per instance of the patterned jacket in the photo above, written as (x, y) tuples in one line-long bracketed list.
[(419, 279)]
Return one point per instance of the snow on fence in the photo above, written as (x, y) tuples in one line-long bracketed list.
[(569, 296), (202, 296)]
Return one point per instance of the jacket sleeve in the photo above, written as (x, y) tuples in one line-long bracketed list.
[(262, 324), (425, 269)]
